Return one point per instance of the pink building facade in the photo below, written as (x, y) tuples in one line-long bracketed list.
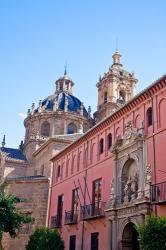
[(113, 176)]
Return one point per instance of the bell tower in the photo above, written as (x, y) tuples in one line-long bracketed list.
[(115, 88)]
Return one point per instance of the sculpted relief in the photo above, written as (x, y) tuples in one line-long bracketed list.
[(131, 173), (129, 180)]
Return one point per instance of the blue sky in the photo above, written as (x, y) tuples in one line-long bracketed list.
[(39, 37)]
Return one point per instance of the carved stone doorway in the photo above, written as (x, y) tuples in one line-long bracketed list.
[(130, 238)]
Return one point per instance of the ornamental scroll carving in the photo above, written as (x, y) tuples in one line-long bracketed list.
[(148, 174), (112, 192), (131, 132)]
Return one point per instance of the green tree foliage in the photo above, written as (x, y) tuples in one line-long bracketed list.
[(11, 218), (152, 233), (45, 239)]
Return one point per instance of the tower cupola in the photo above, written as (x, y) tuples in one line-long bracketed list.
[(116, 59)]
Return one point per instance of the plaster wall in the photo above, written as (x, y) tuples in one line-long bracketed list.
[(97, 165)]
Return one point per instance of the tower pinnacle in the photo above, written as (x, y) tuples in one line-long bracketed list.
[(3, 141), (65, 72)]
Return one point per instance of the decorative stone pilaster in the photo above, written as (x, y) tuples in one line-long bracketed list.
[(148, 179), (80, 128), (66, 105), (55, 107)]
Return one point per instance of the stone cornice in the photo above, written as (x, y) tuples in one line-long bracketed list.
[(58, 113), (49, 141)]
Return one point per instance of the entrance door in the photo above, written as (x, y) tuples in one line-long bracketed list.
[(72, 242), (129, 238), (94, 241)]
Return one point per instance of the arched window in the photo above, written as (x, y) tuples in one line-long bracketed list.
[(118, 133), (45, 129), (138, 121), (162, 108), (72, 128), (109, 141), (105, 97), (101, 146), (61, 86), (149, 116), (122, 96)]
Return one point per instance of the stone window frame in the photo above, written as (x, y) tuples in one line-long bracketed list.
[(45, 129), (109, 141)]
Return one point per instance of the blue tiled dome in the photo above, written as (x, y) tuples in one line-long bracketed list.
[(74, 104)]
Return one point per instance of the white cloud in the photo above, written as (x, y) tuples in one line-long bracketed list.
[(22, 115)]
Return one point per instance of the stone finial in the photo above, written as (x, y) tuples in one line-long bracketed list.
[(81, 109), (89, 111), (28, 112), (21, 146), (3, 141), (40, 106), (65, 72), (32, 108)]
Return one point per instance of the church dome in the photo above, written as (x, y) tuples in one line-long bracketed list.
[(60, 100), (58, 114)]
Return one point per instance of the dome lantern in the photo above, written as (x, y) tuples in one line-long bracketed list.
[(64, 84)]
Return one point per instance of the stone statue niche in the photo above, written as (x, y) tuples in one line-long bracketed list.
[(129, 181)]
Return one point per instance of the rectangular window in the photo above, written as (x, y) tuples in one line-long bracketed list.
[(95, 241), (72, 244), (75, 202), (96, 195), (60, 210)]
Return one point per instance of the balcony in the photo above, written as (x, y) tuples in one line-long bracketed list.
[(71, 217), (158, 193), (92, 211), (56, 221)]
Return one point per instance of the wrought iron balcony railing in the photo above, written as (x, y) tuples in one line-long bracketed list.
[(71, 217), (158, 193), (56, 221), (94, 210)]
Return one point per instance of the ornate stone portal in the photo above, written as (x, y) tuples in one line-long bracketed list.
[(129, 199)]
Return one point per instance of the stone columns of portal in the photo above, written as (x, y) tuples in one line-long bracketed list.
[(112, 234)]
